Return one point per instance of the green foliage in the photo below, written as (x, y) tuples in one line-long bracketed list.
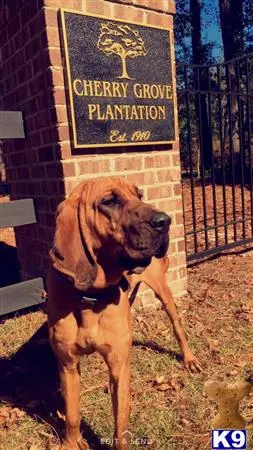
[(183, 31), (235, 21), (248, 25)]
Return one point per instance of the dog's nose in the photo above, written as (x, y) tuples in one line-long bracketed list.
[(160, 221)]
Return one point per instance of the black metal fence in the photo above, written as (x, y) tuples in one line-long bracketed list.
[(215, 106)]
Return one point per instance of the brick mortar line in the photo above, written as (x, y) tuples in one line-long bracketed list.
[(178, 267), (97, 157), (145, 8), (31, 38), (55, 66), (73, 178), (41, 111), (80, 178), (30, 60), (54, 47), (112, 3), (130, 172), (22, 27), (176, 254), (29, 80), (40, 181), (18, 50)]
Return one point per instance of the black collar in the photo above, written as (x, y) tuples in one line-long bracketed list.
[(95, 299), (85, 300)]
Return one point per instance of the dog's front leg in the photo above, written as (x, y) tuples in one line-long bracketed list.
[(119, 368), (70, 384), (165, 295), (120, 391)]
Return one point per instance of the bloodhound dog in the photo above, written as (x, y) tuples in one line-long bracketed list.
[(105, 235)]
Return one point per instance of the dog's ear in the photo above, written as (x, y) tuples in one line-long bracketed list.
[(72, 252)]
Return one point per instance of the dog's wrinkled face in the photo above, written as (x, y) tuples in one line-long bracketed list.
[(129, 229), (103, 229)]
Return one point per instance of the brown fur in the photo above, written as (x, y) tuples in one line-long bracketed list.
[(93, 242)]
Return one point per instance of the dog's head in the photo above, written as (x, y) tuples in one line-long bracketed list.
[(105, 223)]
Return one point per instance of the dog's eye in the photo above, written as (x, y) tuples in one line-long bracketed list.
[(111, 200)]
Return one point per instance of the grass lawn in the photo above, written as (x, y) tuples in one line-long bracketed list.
[(170, 409)]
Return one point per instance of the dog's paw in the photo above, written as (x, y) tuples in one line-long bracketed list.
[(191, 363)]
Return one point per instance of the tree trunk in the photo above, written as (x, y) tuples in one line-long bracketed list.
[(124, 69), (197, 50), (201, 83), (231, 19)]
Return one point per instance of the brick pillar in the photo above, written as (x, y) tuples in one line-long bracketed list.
[(42, 166)]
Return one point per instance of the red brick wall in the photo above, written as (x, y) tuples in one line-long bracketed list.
[(26, 85), (41, 166)]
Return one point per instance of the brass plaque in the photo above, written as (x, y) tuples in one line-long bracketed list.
[(120, 81)]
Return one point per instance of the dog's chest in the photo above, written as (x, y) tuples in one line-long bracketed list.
[(99, 332), (89, 333), (87, 339)]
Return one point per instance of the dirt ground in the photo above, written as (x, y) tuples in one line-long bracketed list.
[(237, 208), (170, 410)]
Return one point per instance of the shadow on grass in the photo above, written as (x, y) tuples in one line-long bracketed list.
[(29, 380), (9, 273), (158, 348)]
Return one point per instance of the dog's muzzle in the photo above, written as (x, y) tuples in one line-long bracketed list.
[(145, 240)]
